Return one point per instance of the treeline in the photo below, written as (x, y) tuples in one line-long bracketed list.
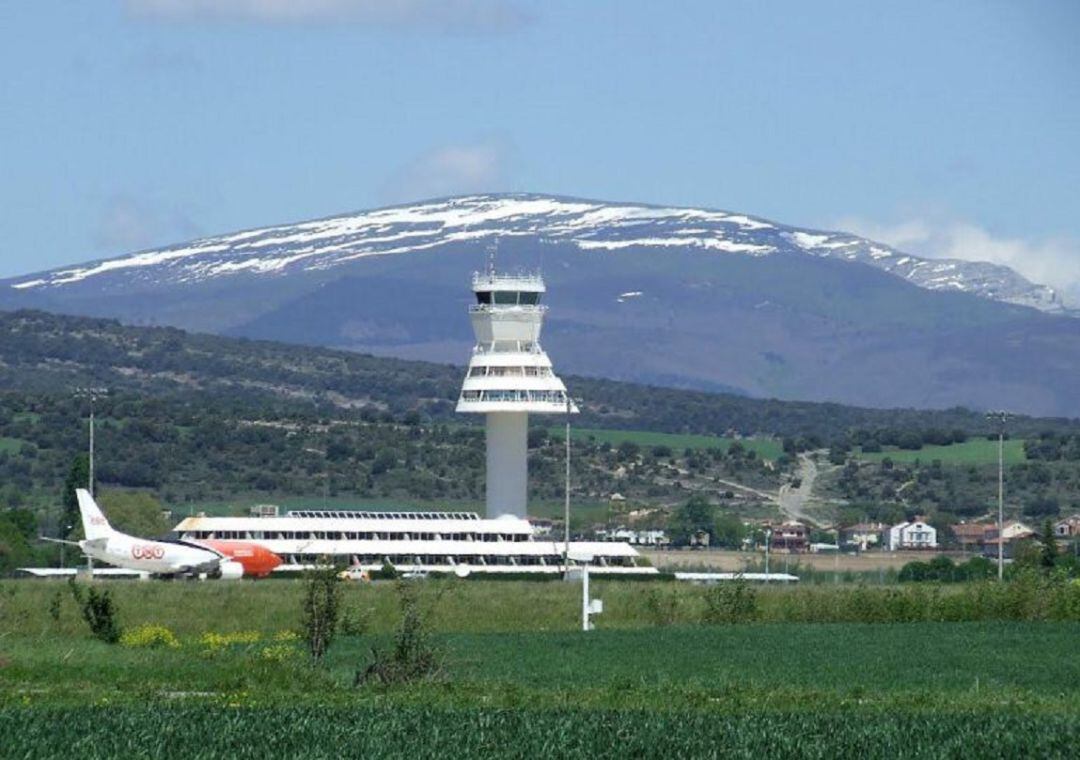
[(46, 352), (1054, 447)]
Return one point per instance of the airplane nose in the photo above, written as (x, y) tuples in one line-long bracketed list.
[(269, 557)]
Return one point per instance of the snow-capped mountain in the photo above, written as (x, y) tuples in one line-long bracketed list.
[(587, 225), (670, 296)]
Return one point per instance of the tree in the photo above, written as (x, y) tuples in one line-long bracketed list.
[(134, 512), (78, 477), (693, 517), (728, 531), (14, 549), (320, 609), (1049, 548)]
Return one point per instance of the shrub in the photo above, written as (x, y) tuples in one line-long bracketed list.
[(320, 610), (150, 637), (214, 643), (279, 652), (662, 605), (98, 611), (413, 656), (734, 602)]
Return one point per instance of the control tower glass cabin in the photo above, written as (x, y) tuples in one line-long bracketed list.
[(509, 376)]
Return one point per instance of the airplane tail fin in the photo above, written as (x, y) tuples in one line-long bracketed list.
[(94, 523)]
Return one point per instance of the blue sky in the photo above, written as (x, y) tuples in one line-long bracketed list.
[(944, 128)]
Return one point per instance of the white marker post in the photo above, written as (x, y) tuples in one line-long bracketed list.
[(589, 607)]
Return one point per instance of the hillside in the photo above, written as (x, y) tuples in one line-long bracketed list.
[(207, 422), (677, 297), (49, 353)]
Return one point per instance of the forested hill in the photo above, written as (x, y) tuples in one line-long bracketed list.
[(43, 353)]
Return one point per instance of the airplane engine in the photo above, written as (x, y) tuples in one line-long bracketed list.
[(231, 571)]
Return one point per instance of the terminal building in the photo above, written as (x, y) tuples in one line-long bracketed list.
[(509, 376), (423, 542)]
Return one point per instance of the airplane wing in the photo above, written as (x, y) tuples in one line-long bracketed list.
[(67, 572), (57, 541)]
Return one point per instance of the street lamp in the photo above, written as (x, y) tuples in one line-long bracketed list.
[(1000, 417), (768, 537), (566, 501), (93, 394)]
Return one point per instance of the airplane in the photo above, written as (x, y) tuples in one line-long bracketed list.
[(211, 559)]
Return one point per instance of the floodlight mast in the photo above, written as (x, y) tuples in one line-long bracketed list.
[(566, 504), (93, 394), (1001, 418)]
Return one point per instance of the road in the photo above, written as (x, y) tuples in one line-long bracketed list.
[(793, 501)]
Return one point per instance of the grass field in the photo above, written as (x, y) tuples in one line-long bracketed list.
[(975, 451), (767, 448), (11, 444), (517, 679)]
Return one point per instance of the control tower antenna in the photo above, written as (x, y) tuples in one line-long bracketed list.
[(493, 250), (509, 376)]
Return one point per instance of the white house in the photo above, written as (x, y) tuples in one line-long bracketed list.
[(912, 535), (1068, 527), (643, 537)]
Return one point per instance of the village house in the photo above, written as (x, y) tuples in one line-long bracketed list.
[(912, 535), (642, 537), (1013, 533), (863, 535), (790, 536), (972, 536), (1067, 528)]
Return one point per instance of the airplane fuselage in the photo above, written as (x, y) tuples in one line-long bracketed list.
[(158, 557)]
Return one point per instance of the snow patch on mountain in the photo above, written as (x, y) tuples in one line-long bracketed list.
[(589, 225)]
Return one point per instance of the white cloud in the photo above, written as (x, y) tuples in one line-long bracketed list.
[(449, 170), (443, 15), (1052, 261), (130, 225)]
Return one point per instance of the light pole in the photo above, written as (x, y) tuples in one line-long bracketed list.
[(566, 504), (92, 394), (1001, 417)]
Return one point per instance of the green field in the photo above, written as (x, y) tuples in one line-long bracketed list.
[(767, 448), (518, 680), (9, 445), (975, 451)]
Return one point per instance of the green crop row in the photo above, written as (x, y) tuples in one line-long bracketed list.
[(212, 731)]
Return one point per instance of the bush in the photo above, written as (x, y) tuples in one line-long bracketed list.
[(662, 605), (734, 602), (413, 656), (320, 610), (98, 611), (214, 643), (149, 637)]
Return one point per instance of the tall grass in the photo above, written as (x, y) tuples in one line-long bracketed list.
[(190, 609)]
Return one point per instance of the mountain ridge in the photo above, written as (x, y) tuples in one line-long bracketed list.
[(709, 229), (648, 294)]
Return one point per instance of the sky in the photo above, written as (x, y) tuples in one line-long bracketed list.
[(945, 129)]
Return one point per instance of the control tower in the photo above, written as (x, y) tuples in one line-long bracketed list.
[(509, 376)]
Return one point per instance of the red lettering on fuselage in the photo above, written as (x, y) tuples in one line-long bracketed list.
[(147, 551)]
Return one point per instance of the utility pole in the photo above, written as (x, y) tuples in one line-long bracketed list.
[(1000, 417), (566, 505), (92, 394)]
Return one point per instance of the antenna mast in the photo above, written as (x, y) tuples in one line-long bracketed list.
[(492, 249)]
